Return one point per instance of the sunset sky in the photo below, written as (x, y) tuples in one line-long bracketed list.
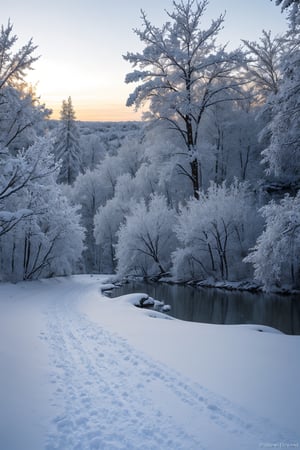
[(81, 43)]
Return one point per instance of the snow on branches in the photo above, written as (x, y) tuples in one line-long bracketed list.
[(182, 73), (276, 256)]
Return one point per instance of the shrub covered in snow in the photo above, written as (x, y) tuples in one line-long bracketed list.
[(146, 240), (276, 256), (215, 233)]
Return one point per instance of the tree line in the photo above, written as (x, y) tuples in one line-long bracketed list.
[(206, 187)]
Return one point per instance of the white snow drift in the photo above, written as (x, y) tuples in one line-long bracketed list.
[(81, 371)]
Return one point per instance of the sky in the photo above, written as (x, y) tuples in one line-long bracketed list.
[(81, 43)]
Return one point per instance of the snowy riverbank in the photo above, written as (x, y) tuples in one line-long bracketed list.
[(249, 285), (81, 371)]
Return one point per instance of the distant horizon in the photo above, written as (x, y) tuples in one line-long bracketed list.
[(114, 120), (100, 114)]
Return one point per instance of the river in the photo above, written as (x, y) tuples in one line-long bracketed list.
[(218, 306)]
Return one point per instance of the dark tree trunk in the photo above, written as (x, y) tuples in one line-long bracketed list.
[(195, 178), (194, 161)]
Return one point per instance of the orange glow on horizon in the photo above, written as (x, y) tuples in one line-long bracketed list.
[(109, 113)]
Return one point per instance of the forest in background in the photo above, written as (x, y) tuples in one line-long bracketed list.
[(205, 188)]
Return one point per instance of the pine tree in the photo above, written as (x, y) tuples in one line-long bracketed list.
[(67, 148)]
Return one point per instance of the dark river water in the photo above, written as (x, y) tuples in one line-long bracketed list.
[(219, 306)]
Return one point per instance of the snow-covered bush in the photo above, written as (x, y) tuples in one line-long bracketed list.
[(146, 239), (215, 233), (276, 256)]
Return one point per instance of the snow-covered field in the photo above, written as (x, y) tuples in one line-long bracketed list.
[(81, 371)]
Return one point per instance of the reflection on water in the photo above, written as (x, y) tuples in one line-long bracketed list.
[(223, 307)]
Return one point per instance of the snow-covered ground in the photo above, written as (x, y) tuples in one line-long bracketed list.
[(82, 371)]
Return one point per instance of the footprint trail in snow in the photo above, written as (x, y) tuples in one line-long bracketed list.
[(108, 395)]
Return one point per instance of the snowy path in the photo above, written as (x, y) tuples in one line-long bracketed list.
[(106, 391), (110, 396), (106, 394)]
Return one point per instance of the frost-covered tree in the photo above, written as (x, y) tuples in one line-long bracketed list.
[(182, 73), (282, 155), (287, 3), (17, 173), (48, 242), (215, 234), (92, 151), (107, 222), (264, 63), (40, 233), (276, 256), (104, 194), (46, 237), (14, 63), (146, 239), (293, 7), (265, 71), (230, 147), (111, 215), (90, 192), (67, 149), (165, 162), (20, 112), (20, 118)]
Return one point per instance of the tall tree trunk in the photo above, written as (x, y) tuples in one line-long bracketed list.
[(195, 177), (194, 164)]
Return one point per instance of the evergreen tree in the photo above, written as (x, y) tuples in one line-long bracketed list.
[(67, 149)]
